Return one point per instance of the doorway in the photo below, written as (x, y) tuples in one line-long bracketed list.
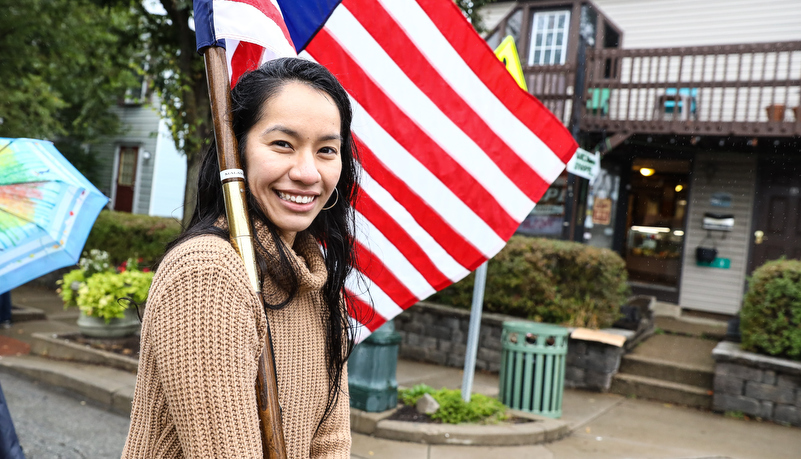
[(777, 214), (126, 179), (655, 225)]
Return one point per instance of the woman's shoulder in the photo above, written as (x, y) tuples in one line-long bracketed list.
[(204, 266), (202, 247), (199, 253)]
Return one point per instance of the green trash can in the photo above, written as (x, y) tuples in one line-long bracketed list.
[(371, 371), (533, 367)]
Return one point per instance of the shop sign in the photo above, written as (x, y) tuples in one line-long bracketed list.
[(602, 211), (721, 263), (720, 199), (585, 164)]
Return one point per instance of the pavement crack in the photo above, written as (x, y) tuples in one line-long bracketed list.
[(597, 415)]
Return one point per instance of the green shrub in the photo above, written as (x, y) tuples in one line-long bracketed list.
[(770, 320), (549, 281), (452, 409), (125, 236), (104, 294), (100, 290)]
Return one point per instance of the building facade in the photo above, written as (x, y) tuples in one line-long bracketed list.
[(143, 172), (696, 108)]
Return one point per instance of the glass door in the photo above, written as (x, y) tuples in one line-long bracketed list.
[(656, 214)]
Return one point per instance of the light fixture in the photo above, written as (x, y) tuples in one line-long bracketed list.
[(679, 188), (646, 171), (678, 233), (651, 229)]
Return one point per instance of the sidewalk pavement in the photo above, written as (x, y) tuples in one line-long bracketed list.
[(603, 425)]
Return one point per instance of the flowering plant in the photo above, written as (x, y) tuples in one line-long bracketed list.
[(100, 290)]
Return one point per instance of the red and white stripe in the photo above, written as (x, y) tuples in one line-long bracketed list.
[(254, 33), (454, 154)]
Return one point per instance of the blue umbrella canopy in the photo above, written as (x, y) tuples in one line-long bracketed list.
[(47, 209)]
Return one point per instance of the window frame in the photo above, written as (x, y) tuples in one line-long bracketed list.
[(543, 48)]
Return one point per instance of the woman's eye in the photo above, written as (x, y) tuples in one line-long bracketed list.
[(282, 144), (328, 150)]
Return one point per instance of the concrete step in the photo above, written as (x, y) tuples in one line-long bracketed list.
[(107, 386), (663, 391), (666, 370), (26, 314)]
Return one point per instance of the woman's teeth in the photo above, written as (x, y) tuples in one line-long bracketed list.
[(295, 198)]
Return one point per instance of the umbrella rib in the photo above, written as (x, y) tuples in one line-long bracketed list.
[(7, 145)]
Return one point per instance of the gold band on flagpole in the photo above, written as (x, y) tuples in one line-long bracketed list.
[(239, 227)]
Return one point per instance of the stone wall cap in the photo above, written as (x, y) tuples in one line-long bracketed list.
[(499, 319), (728, 352), (540, 430)]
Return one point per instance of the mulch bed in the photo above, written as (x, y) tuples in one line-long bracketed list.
[(410, 414), (128, 346)]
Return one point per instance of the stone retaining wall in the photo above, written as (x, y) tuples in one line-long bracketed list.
[(438, 334), (757, 385)]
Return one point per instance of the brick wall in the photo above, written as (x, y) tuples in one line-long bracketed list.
[(757, 385), (438, 334)]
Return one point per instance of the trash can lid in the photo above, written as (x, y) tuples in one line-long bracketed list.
[(535, 328)]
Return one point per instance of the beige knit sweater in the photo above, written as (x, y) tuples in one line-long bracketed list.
[(202, 335)]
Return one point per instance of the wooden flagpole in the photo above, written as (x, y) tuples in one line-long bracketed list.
[(233, 179)]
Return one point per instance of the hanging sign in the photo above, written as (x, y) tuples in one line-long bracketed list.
[(585, 164), (506, 52), (602, 211)]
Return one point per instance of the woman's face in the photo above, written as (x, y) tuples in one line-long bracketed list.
[(293, 157)]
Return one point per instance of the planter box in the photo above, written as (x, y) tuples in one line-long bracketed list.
[(97, 327), (437, 334), (755, 384)]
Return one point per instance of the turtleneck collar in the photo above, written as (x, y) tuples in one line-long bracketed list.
[(305, 257)]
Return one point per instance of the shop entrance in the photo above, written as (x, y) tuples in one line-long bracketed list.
[(655, 223), (777, 214)]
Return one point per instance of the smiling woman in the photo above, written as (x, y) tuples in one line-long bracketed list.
[(204, 328), (293, 157)]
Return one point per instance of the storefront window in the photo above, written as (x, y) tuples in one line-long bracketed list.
[(599, 224), (547, 217), (656, 217)]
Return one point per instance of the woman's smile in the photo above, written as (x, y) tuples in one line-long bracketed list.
[(296, 198)]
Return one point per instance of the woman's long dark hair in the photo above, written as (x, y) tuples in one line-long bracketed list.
[(333, 228)]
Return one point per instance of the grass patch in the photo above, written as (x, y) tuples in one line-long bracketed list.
[(453, 410)]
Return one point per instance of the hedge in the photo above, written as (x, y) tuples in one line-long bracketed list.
[(770, 320), (550, 281), (125, 235)]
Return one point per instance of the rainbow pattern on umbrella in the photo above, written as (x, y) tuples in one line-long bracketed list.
[(46, 210)]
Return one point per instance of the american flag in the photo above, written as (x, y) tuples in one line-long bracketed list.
[(454, 154)]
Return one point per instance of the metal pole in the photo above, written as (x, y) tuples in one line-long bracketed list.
[(473, 331), (573, 229)]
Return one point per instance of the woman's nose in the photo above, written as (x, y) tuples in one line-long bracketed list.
[(304, 169)]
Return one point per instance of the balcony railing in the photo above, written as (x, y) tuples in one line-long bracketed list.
[(752, 89), (553, 86)]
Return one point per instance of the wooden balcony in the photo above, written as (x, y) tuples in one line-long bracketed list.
[(553, 86), (741, 90)]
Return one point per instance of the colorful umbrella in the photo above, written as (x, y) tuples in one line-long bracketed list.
[(47, 209)]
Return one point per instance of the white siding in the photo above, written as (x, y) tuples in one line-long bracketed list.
[(493, 14), (169, 177), (713, 289), (671, 23)]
